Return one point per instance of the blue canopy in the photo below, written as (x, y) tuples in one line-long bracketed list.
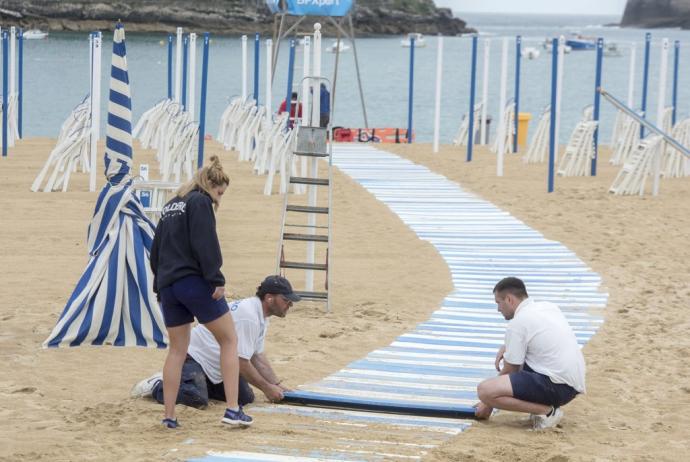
[(114, 303), (311, 7)]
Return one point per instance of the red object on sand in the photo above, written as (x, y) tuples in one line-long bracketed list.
[(371, 135)]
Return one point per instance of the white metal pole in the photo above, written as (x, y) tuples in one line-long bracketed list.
[(92, 143), (660, 106), (483, 134), (90, 65), (96, 46), (306, 70), (501, 132), (244, 68), (316, 119), (305, 86), (269, 73), (192, 74), (316, 106), (178, 66), (13, 59), (12, 87), (439, 83), (559, 91), (631, 76)]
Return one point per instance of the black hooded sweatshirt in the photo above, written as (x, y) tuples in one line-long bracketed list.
[(186, 242)]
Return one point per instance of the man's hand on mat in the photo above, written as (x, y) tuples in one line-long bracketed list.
[(482, 411), (218, 293), (283, 387), (499, 357), (274, 393)]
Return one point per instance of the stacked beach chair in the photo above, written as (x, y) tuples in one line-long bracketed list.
[(463, 131), (539, 149), (580, 149), (507, 130), (265, 141), (626, 138), (675, 164), (632, 177), (72, 151)]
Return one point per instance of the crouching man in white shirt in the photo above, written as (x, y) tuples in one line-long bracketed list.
[(201, 376), (543, 367)]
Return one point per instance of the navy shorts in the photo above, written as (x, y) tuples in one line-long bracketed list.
[(189, 298), (538, 388)]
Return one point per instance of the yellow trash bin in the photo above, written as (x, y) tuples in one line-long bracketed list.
[(523, 126)]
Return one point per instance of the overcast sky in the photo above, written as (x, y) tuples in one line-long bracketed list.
[(613, 7)]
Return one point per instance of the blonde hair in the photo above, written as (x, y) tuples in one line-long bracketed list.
[(205, 179)]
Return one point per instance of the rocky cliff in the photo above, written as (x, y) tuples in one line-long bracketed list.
[(657, 13), (219, 16)]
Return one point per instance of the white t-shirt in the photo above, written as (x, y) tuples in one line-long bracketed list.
[(250, 326), (540, 336)]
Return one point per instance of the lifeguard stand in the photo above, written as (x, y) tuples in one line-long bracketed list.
[(338, 13), (306, 225)]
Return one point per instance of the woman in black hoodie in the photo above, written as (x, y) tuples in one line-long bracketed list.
[(186, 261)]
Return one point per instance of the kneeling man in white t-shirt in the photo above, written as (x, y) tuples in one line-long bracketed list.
[(201, 376), (543, 367)]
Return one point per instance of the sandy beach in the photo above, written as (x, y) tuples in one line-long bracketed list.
[(74, 404)]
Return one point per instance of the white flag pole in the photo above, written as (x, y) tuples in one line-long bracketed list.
[(661, 104), (439, 82), (501, 132), (483, 134)]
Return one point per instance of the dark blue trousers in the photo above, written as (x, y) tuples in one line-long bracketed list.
[(196, 389)]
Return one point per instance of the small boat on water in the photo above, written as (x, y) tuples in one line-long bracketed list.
[(611, 49), (34, 34), (419, 41), (548, 46), (338, 47), (579, 42), (530, 53)]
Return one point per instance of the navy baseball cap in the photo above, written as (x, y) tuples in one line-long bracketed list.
[(279, 285)]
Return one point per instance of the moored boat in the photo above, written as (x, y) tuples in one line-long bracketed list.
[(612, 49), (419, 41), (338, 46), (579, 42), (34, 34), (530, 53)]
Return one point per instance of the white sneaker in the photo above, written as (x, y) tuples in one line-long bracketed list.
[(542, 422), (144, 389)]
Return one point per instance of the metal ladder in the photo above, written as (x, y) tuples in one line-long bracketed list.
[(312, 143)]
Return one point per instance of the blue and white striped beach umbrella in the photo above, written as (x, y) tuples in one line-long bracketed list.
[(114, 303)]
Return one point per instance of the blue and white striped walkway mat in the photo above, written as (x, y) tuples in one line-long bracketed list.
[(435, 368)]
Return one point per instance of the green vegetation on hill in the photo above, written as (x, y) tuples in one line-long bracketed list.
[(420, 7)]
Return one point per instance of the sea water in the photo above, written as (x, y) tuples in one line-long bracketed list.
[(56, 75)]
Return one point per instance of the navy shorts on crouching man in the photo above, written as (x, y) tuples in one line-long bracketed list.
[(534, 387), (196, 389), (188, 298)]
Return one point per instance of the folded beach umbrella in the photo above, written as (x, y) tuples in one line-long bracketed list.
[(114, 303)]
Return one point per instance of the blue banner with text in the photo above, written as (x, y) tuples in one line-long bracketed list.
[(311, 7)]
